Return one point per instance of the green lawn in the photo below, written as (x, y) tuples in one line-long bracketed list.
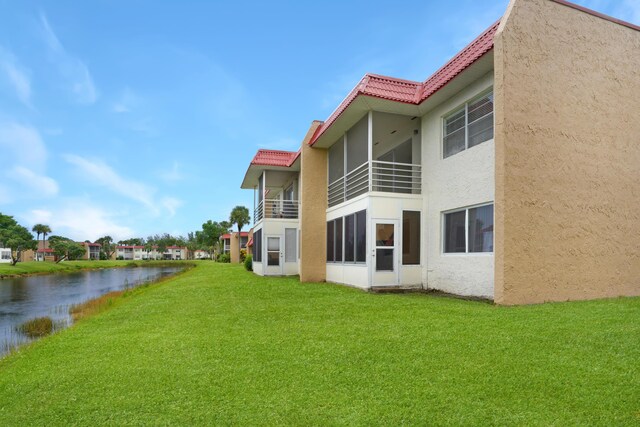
[(218, 345), (33, 267)]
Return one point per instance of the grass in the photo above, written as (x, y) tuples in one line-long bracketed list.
[(33, 267), (218, 345), (37, 327)]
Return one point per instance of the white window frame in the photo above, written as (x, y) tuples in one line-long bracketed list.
[(456, 110), (443, 231)]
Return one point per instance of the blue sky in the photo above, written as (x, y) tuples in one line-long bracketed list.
[(131, 118)]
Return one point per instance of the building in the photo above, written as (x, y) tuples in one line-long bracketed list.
[(229, 244), (274, 177), (93, 250), (140, 253), (5, 255), (512, 173), (201, 254)]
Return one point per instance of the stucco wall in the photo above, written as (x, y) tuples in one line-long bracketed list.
[(313, 205), (458, 181), (567, 88)]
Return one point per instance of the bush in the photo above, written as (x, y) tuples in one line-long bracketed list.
[(248, 263), (224, 258), (38, 327), (243, 255), (120, 258)]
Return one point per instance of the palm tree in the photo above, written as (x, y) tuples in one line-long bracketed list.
[(44, 230), (41, 229), (240, 216), (37, 229)]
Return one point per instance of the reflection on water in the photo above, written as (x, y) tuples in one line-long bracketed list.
[(52, 295)]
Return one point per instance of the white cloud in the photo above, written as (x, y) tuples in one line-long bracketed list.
[(21, 145), (74, 70), (80, 221), (17, 76), (96, 171), (127, 102), (39, 185), (172, 175), (171, 204), (24, 160)]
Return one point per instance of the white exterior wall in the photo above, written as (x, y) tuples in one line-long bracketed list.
[(5, 255), (275, 227), (461, 180), (379, 206)]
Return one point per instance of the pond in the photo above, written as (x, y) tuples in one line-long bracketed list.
[(25, 298)]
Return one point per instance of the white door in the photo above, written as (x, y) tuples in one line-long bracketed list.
[(384, 265), (274, 256)]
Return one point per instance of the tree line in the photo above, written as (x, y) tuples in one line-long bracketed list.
[(20, 239)]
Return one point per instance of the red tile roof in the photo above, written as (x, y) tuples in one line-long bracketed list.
[(410, 92), (275, 158)]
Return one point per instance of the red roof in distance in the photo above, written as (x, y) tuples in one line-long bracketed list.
[(275, 158)]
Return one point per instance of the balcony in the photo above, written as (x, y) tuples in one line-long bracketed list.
[(376, 175), (276, 208)]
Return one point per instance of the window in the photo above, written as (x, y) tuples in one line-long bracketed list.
[(410, 237), (290, 241), (334, 240), (273, 251), (469, 126), (349, 238), (257, 246), (469, 230), (353, 235), (361, 236)]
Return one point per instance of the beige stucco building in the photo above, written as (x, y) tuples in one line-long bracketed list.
[(512, 173)]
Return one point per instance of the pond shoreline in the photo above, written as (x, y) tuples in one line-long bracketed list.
[(66, 267), (99, 304)]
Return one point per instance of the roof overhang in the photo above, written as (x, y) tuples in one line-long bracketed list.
[(256, 168), (362, 104)]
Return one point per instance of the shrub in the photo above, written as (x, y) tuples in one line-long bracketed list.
[(120, 258), (243, 255), (38, 327), (248, 263), (224, 258)]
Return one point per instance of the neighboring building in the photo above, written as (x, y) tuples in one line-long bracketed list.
[(43, 253), (530, 130), (274, 177), (175, 253), (93, 250), (5, 255), (229, 244), (139, 253), (200, 254)]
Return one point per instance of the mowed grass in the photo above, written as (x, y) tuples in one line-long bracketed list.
[(218, 345), (34, 267)]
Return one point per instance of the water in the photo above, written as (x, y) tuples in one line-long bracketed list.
[(52, 295)]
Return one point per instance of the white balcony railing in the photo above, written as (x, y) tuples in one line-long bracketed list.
[(276, 208), (389, 177)]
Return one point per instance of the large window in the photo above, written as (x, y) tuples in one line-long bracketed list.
[(469, 230), (290, 242), (353, 237), (469, 126), (257, 246), (334, 240), (410, 237)]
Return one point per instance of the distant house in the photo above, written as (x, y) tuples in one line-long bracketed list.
[(138, 253), (200, 254), (92, 250), (229, 244), (5, 255)]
